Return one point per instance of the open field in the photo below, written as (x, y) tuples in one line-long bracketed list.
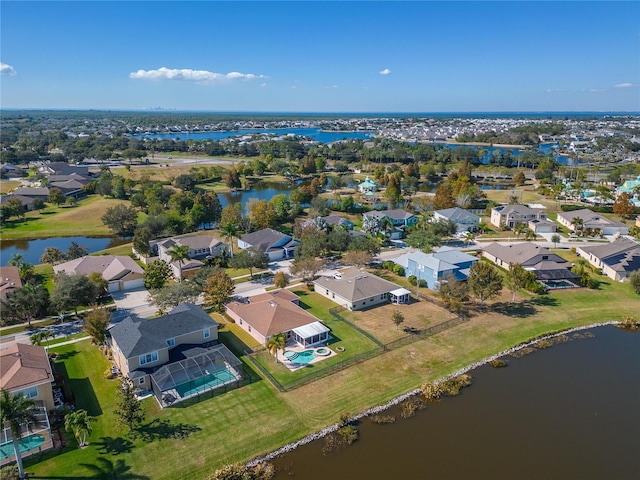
[(7, 185), (83, 219), (192, 441)]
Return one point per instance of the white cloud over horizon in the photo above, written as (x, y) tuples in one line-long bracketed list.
[(625, 85), (190, 75), (386, 71), (6, 69)]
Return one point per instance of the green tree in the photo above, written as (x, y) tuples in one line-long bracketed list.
[(128, 410), (96, 322), (634, 280), (306, 268), (397, 318), (485, 281), (79, 422), (516, 278), (76, 251), (250, 258), (232, 179), (173, 295), (555, 238), (157, 274), (453, 293), (24, 304), (71, 291), (56, 196), (275, 344), (121, 219), (218, 290), (178, 253), (262, 214), (229, 231), (19, 413), (185, 182), (52, 255)]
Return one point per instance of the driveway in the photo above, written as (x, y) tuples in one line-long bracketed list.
[(134, 301)]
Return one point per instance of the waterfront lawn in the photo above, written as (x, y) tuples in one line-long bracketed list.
[(84, 219), (187, 442)]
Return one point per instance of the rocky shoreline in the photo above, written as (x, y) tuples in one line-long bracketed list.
[(401, 398)]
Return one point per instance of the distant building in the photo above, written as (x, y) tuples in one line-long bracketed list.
[(368, 186)]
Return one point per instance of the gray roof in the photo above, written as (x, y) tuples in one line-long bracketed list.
[(135, 336), (590, 218), (31, 191), (526, 253), (393, 214), (194, 242), (111, 267), (356, 284), (622, 255), (457, 214), (517, 209), (264, 239)]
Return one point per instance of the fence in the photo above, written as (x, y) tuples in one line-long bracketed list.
[(379, 349)]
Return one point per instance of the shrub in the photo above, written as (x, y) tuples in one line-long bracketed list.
[(432, 392), (413, 280), (107, 374), (382, 419), (410, 407), (10, 472), (453, 386), (498, 363), (344, 420), (544, 343), (522, 352), (348, 434), (630, 323)]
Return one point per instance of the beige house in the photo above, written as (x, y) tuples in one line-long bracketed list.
[(511, 215), (592, 221), (120, 271), (26, 370), (201, 247), (355, 289), (276, 312), (9, 280), (617, 260)]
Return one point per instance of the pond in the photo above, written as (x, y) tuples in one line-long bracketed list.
[(32, 250), (570, 411)]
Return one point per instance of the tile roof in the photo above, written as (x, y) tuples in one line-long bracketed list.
[(23, 366), (9, 279), (111, 267), (272, 312)]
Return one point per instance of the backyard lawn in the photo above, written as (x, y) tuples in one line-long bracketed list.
[(190, 441)]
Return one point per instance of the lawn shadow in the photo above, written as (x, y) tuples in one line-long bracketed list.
[(164, 429), (84, 396), (61, 357), (114, 446), (107, 470), (521, 310), (233, 343), (544, 301)]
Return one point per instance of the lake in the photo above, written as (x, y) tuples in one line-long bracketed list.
[(313, 133), (567, 412), (32, 250)]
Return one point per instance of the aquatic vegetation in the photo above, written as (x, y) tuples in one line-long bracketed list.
[(382, 419), (522, 352), (629, 323), (453, 386), (498, 363)]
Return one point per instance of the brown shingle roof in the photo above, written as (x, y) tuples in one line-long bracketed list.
[(23, 366), (356, 284)]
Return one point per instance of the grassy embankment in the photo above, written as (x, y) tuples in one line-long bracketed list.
[(192, 441)]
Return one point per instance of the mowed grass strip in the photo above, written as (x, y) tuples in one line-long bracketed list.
[(84, 219)]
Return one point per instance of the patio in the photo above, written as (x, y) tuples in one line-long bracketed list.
[(296, 356)]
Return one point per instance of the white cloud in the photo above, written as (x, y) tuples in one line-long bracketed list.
[(332, 86), (597, 90), (624, 85), (263, 84), (386, 71), (190, 75), (7, 69)]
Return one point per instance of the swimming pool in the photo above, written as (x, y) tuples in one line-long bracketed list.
[(207, 382), (305, 356), (27, 444)]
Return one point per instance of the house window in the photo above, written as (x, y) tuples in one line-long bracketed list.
[(545, 257), (141, 381), (206, 333), (171, 342), (31, 392), (249, 328), (148, 358), (240, 321)]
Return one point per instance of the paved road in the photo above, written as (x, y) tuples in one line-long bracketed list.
[(61, 330)]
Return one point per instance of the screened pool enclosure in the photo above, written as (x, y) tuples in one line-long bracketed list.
[(200, 372)]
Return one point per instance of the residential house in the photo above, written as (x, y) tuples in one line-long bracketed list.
[(26, 370), (542, 226), (270, 313), (9, 280), (27, 202), (333, 220), (201, 248), (357, 289), (399, 220), (592, 221), (63, 168), (275, 245), (511, 215), (550, 269), (617, 260), (367, 187), (121, 271), (32, 192), (465, 221), (176, 355), (433, 268)]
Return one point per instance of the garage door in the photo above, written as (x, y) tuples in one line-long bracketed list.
[(114, 287), (131, 284)]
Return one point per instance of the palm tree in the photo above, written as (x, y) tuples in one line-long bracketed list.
[(276, 343), (79, 422), (16, 260), (555, 238), (16, 411), (177, 254), (469, 237), (577, 223), (229, 231)]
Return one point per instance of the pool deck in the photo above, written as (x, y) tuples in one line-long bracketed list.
[(297, 348), (7, 454)]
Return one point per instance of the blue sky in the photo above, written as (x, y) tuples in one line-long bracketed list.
[(321, 56)]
